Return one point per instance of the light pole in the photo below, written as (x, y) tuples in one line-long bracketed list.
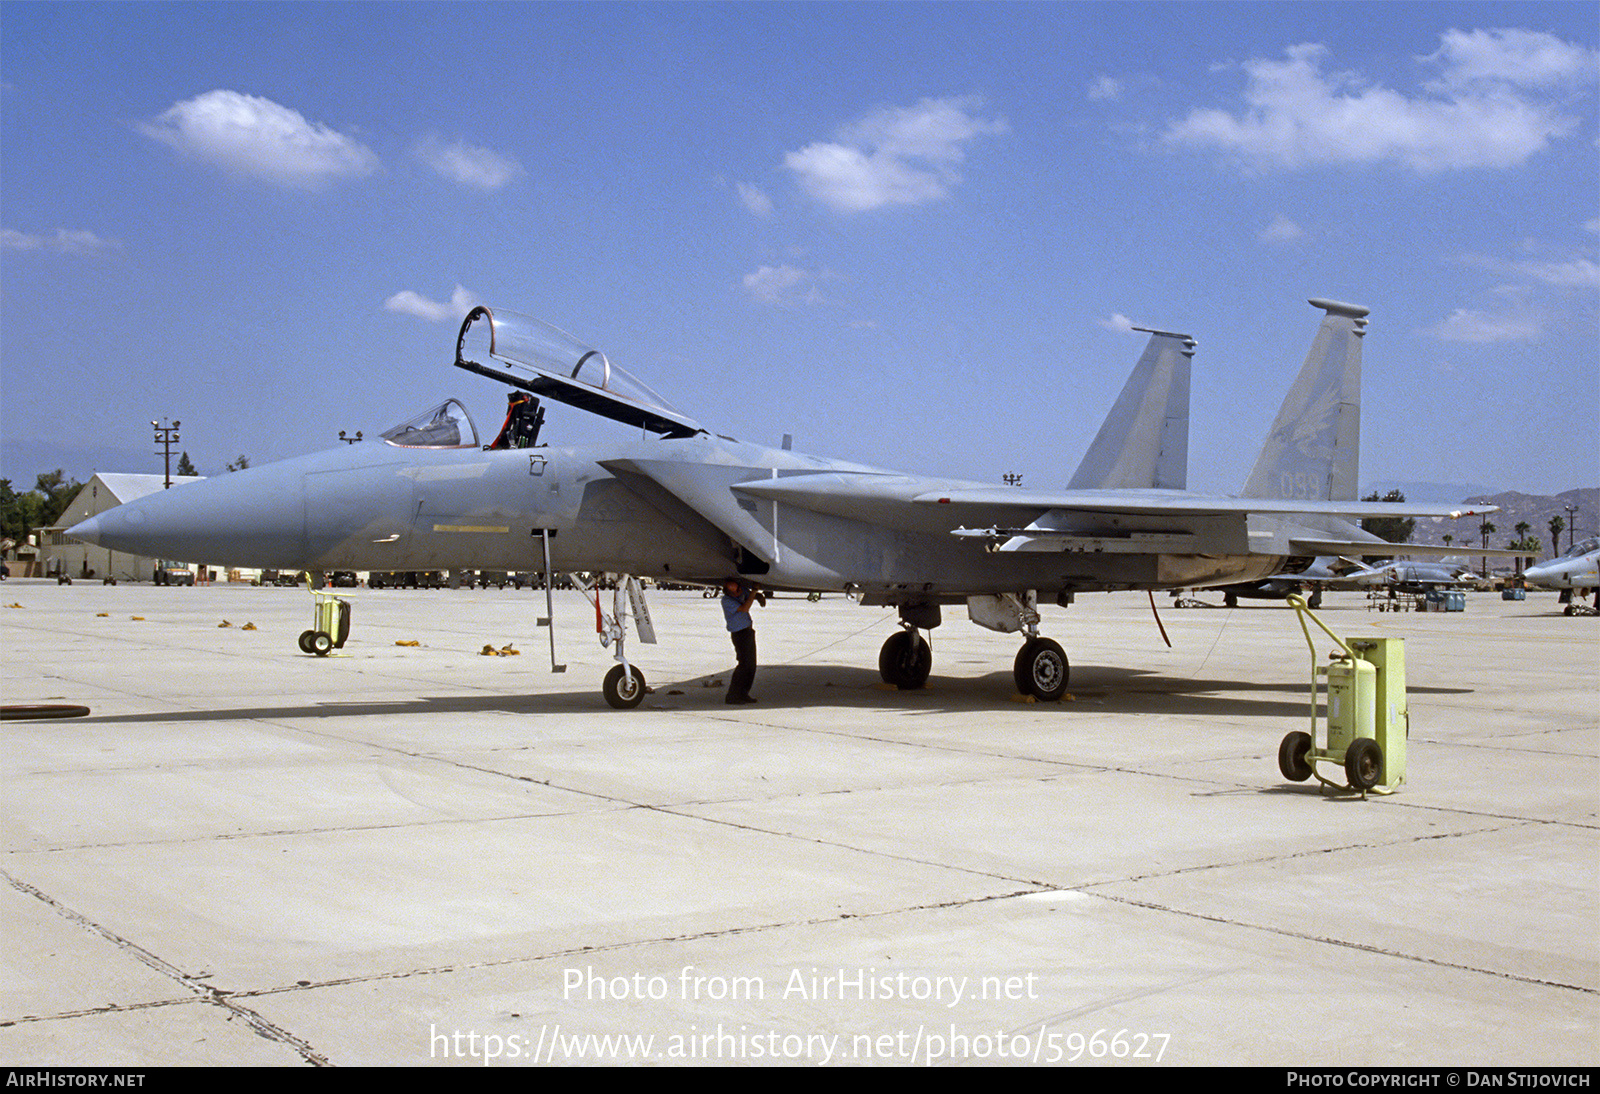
[(166, 437), (1572, 524)]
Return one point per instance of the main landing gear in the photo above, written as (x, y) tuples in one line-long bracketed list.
[(905, 660), (1040, 670)]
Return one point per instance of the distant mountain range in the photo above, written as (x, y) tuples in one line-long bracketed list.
[(1515, 506)]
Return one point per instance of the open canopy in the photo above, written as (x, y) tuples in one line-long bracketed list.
[(550, 362)]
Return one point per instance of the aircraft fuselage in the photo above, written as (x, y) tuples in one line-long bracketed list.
[(659, 508)]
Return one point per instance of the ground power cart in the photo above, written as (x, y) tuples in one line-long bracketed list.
[(1367, 716), (330, 623)]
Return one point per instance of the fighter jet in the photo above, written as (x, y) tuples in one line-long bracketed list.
[(1414, 577), (1576, 574), (685, 504)]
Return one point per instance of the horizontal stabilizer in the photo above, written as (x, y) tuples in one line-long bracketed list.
[(1414, 550), (1157, 502)]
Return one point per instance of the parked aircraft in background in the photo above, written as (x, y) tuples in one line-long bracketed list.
[(1576, 574), (1414, 577), (684, 504), (1324, 573)]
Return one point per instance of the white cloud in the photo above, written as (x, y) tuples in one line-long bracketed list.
[(1117, 322), (468, 164), (1580, 273), (782, 285), (1465, 325), (1105, 89), (1523, 58), (1592, 225), (1281, 230), (1482, 111), (68, 241), (407, 302), (1576, 273), (754, 200), (895, 156), (252, 137)]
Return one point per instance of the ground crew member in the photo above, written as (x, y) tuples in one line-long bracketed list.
[(736, 600)]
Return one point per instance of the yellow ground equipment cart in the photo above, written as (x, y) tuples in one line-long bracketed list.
[(330, 622), (1367, 716)]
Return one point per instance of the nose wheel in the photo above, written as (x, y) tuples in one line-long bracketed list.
[(624, 687), (1042, 670)]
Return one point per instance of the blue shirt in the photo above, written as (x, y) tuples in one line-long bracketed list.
[(737, 620)]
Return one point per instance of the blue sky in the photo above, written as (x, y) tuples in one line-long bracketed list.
[(912, 235)]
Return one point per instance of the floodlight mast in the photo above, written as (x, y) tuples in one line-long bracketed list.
[(166, 437)]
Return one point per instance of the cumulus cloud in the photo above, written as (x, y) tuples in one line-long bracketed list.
[(753, 199), (1523, 58), (1117, 322), (468, 164), (407, 302), (1466, 325), (1491, 105), (248, 136), (783, 285), (1281, 230), (67, 241), (894, 156)]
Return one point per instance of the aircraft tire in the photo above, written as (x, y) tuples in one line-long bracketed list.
[(321, 643), (1315, 600), (1292, 756), (305, 640), (905, 660), (1363, 763), (1042, 670), (624, 687)]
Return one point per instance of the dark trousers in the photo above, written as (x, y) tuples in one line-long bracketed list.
[(744, 673)]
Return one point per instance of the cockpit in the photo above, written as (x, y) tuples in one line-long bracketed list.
[(447, 425), (1584, 547)]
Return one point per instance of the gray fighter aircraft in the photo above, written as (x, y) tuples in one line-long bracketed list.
[(1576, 574), (685, 504)]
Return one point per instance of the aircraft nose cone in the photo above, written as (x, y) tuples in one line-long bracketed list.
[(248, 518), (87, 531)]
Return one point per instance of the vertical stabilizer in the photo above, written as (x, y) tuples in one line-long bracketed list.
[(1314, 449), (1144, 441)]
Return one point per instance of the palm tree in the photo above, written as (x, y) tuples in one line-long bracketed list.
[(1487, 529), (1557, 524), (1524, 543)]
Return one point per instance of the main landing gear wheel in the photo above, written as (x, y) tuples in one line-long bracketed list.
[(1041, 670), (905, 660), (1363, 763), (624, 687), (1292, 755)]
